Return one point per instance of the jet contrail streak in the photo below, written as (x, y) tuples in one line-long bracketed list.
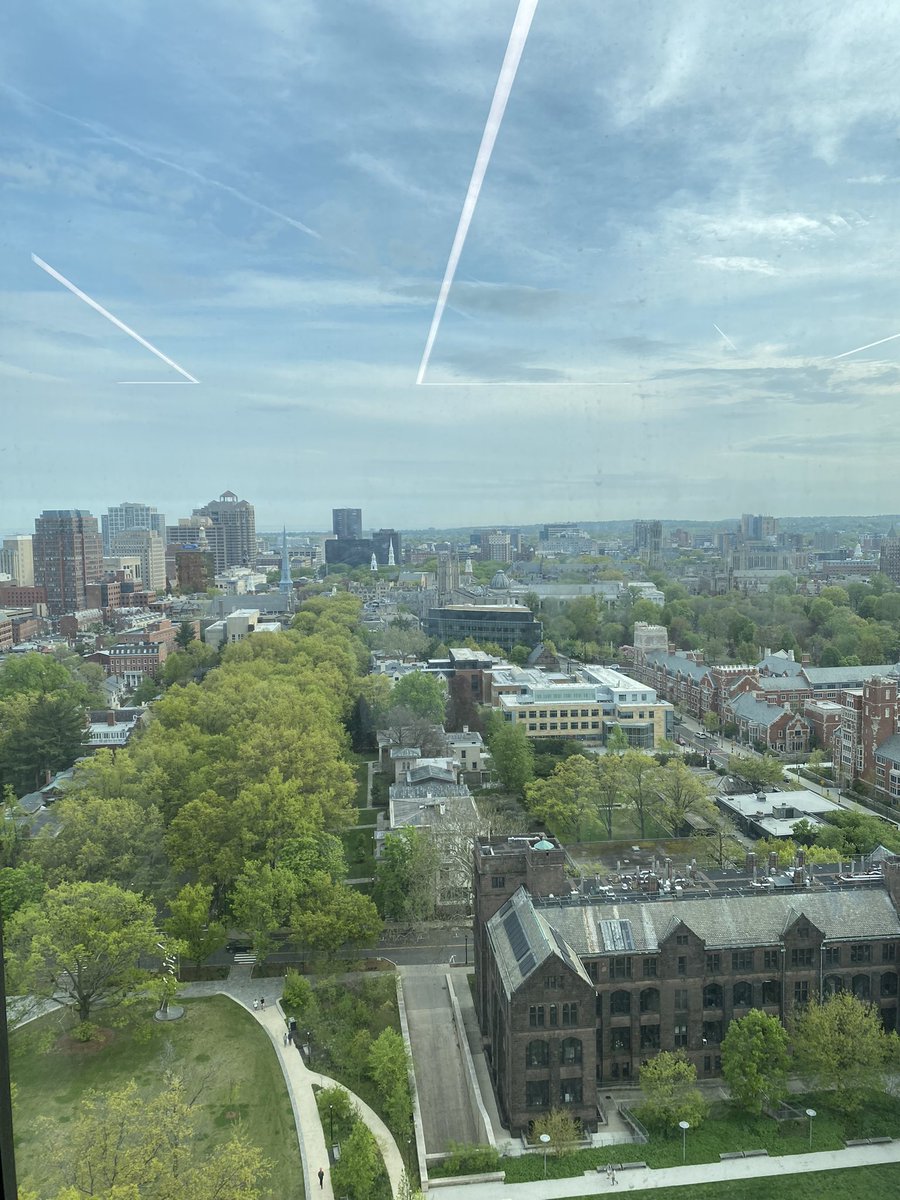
[(115, 320), (880, 342), (517, 38), (725, 336)]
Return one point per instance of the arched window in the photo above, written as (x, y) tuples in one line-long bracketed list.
[(889, 983), (832, 984), (771, 991), (537, 1054), (742, 994), (650, 1000), (620, 1004), (861, 987), (712, 996), (570, 1052)]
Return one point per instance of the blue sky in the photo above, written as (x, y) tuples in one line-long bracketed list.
[(267, 192)]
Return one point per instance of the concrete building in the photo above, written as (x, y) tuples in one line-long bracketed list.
[(129, 515), (148, 548), (505, 625), (573, 992), (236, 626), (17, 559), (496, 546), (346, 522), (67, 557), (232, 532), (648, 543)]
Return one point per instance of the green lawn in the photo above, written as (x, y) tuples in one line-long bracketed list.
[(726, 1130), (216, 1044), (854, 1183)]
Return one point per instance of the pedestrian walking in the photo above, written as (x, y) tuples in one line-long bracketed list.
[(262, 1002), (255, 1004), (613, 1176), (321, 1177)]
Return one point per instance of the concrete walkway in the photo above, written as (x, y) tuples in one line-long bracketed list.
[(637, 1180), (299, 1081)]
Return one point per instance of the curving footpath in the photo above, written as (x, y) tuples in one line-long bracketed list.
[(299, 1080)]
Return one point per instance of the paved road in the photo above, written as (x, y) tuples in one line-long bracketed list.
[(440, 1074)]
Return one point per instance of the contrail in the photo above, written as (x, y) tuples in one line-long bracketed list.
[(725, 336), (880, 342), (107, 135), (517, 38), (115, 320)]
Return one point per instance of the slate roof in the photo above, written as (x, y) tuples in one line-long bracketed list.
[(782, 683), (522, 939), (780, 664), (675, 664), (724, 922), (889, 749), (851, 676), (754, 710)]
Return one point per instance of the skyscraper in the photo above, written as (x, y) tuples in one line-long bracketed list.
[(648, 543), (346, 522), (17, 559), (130, 515), (148, 546), (232, 535), (68, 555)]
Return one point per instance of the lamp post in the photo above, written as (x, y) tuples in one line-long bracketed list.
[(810, 1112), (545, 1142), (331, 1121), (309, 1045), (684, 1126), (408, 1155)]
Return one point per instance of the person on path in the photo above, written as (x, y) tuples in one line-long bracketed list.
[(321, 1177), (255, 1004), (262, 1002), (612, 1175)]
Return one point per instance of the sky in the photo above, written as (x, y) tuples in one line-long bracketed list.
[(690, 211)]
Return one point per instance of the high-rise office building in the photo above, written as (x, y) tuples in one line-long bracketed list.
[(232, 535), (148, 546), (648, 543), (130, 515), (346, 522), (17, 559), (68, 555), (387, 547)]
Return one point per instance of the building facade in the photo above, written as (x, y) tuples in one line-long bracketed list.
[(148, 547), (68, 555), (232, 532), (505, 625), (346, 522), (17, 559), (131, 515)]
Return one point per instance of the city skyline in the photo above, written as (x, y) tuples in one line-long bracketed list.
[(676, 294)]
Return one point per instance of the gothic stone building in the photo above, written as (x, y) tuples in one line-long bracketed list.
[(573, 994)]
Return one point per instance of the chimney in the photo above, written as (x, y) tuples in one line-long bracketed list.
[(465, 729), (750, 862), (773, 859), (798, 877), (110, 717)]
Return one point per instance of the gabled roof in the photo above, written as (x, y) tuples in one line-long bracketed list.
[(848, 675), (676, 664), (750, 709), (779, 664), (522, 939), (889, 749)]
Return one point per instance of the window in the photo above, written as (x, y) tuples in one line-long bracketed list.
[(832, 985), (712, 996), (620, 968), (649, 965), (861, 953), (889, 952), (682, 965), (712, 1032), (537, 1093), (861, 987), (570, 1051), (771, 992), (742, 960), (553, 1014), (713, 964), (802, 957), (803, 931), (832, 956), (801, 992), (552, 982), (537, 1054), (742, 995), (649, 1037), (592, 970), (770, 959), (649, 1000), (570, 1013), (620, 1004), (889, 983), (620, 1039), (536, 1015), (681, 939), (498, 881), (681, 999), (570, 1091), (680, 1035)]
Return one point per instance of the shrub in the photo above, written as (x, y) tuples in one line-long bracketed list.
[(471, 1160), (297, 992)]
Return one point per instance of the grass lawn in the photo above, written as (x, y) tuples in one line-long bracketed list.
[(726, 1130), (359, 847), (216, 1044), (854, 1183)]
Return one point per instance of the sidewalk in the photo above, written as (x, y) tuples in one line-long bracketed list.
[(299, 1080), (638, 1180)]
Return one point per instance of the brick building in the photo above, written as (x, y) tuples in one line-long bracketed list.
[(573, 994), (68, 555)]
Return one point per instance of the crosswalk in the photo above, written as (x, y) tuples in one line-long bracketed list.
[(245, 958)]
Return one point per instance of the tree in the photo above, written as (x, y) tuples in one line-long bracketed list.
[(111, 838), (406, 876), (711, 721), (333, 915), (122, 1146), (669, 1085), (755, 1060), (562, 1129), (680, 793), (617, 740), (759, 770), (80, 945), (263, 901), (354, 1174), (19, 886), (185, 635), (567, 799), (610, 787), (840, 1044), (406, 728), (512, 755), (388, 1069), (641, 773), (421, 693), (190, 921)]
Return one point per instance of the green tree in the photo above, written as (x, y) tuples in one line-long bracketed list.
[(185, 635), (641, 774), (565, 801), (840, 1044), (561, 1127), (758, 770), (422, 694), (617, 740), (512, 755), (755, 1060), (263, 902), (711, 722), (333, 915), (359, 1166), (190, 921), (681, 792), (610, 788), (19, 886), (669, 1086), (388, 1069), (406, 876), (80, 945), (102, 838)]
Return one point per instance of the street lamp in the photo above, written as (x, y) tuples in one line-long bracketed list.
[(810, 1112), (309, 1046), (545, 1141), (684, 1126), (331, 1121)]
